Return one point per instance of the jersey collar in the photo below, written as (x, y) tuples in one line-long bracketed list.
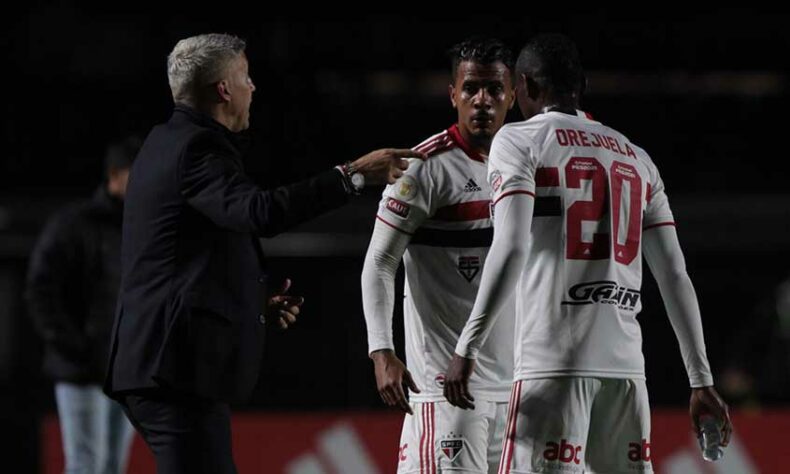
[(458, 139)]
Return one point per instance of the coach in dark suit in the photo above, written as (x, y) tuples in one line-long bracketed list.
[(189, 328)]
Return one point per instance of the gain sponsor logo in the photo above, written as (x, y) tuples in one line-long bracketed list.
[(603, 292), (563, 452)]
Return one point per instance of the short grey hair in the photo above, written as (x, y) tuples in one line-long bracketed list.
[(198, 61)]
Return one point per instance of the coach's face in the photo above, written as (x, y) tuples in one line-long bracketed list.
[(239, 93), (482, 94)]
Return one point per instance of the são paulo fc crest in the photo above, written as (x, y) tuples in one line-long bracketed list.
[(452, 445), (468, 266)]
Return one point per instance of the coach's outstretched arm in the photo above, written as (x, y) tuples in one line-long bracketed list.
[(665, 258), (216, 186), (504, 264)]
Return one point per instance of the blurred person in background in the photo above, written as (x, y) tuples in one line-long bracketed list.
[(72, 288), (758, 372)]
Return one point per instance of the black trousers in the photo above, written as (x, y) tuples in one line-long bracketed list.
[(187, 435)]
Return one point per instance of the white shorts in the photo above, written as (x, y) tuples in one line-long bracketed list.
[(442, 438), (578, 425)]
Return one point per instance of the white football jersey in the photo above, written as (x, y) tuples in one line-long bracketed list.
[(443, 202), (579, 294)]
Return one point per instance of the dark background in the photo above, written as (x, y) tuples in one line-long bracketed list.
[(705, 93)]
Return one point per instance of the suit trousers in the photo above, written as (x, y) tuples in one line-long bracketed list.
[(187, 435)]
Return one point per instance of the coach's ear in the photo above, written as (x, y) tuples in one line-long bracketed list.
[(223, 90)]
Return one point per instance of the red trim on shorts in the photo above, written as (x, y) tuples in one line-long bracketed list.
[(422, 440), (510, 193), (505, 441), (660, 224), (512, 431), (433, 439)]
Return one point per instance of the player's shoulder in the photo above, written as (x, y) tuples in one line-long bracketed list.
[(436, 145), (641, 153)]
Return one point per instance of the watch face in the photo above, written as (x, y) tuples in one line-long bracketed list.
[(358, 180)]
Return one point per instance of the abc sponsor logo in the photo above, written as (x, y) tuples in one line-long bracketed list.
[(563, 451), (639, 451), (439, 380)]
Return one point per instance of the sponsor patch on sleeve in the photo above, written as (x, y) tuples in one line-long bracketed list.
[(398, 208), (496, 180)]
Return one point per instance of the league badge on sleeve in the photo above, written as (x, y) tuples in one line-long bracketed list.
[(406, 187)]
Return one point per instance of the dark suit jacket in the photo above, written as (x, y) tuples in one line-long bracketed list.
[(192, 294)]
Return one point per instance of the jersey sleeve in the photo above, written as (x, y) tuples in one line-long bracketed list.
[(410, 200), (512, 163), (657, 211)]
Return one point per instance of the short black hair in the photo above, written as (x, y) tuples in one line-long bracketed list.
[(552, 60), (482, 50), (121, 154)]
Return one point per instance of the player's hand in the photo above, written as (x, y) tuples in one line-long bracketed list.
[(706, 401), (456, 382), (385, 166), (391, 375), (285, 308)]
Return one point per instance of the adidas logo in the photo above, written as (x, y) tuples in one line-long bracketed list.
[(471, 186)]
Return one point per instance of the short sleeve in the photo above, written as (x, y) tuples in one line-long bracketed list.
[(511, 165), (657, 211), (408, 202)]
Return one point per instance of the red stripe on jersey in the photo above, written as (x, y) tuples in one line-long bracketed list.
[(660, 224), (435, 145), (455, 134), (464, 211), (510, 193), (393, 225), (588, 115), (546, 177), (432, 140), (649, 193)]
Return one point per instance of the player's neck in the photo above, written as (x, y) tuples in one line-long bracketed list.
[(478, 144), (565, 103)]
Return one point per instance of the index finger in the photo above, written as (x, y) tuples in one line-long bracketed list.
[(407, 153)]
